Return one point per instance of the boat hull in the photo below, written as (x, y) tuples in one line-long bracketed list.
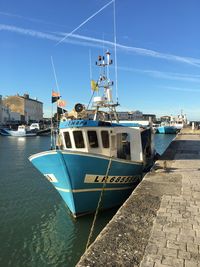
[(45, 132), (167, 130), (80, 178), (6, 132)]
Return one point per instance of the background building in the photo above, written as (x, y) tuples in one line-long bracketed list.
[(130, 115), (151, 117), (30, 110), (4, 112), (1, 109)]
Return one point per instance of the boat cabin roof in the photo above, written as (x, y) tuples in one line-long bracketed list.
[(86, 123), (21, 128)]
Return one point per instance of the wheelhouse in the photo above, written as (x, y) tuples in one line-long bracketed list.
[(117, 142)]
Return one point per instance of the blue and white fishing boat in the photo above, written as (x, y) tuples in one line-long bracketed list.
[(21, 131), (178, 121), (95, 155), (167, 129)]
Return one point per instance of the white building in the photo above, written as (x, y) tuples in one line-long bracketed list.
[(15, 116), (130, 115)]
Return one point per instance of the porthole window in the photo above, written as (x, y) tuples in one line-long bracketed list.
[(92, 138), (78, 139)]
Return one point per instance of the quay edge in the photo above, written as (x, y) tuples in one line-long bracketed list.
[(160, 222)]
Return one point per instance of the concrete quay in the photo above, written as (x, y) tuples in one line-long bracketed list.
[(159, 224)]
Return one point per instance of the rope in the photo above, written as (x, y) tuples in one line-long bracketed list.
[(98, 205)]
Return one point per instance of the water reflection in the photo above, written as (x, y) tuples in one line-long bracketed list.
[(52, 238), (36, 228), (21, 139)]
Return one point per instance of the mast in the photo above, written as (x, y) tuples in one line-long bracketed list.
[(105, 85)]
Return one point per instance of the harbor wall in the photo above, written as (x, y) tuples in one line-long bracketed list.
[(143, 230)]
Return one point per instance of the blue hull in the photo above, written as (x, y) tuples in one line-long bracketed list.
[(166, 130), (79, 178), (4, 132)]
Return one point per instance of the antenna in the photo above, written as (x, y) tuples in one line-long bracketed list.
[(115, 48)]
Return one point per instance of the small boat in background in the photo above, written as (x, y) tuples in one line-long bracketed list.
[(171, 124), (22, 131), (179, 121), (34, 127), (155, 127), (166, 129), (44, 132)]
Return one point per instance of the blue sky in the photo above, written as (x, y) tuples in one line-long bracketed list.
[(158, 51)]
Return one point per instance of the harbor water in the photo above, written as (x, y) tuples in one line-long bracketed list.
[(36, 228)]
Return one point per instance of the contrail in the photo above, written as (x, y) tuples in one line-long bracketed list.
[(84, 22), (182, 89), (90, 41), (165, 75), (29, 32), (30, 19)]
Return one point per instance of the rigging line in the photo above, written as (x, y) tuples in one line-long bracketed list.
[(52, 127), (84, 22), (90, 60), (90, 100), (54, 72), (92, 94), (115, 48), (57, 87)]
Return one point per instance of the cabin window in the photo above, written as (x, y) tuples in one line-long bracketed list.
[(59, 141), (123, 146), (78, 138), (92, 138), (105, 139), (67, 140)]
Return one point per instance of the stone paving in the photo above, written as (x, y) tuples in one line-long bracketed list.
[(159, 225), (175, 236)]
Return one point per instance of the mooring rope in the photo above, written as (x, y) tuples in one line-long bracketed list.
[(98, 205)]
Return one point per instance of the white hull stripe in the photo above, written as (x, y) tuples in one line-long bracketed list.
[(92, 189), (85, 155), (42, 154)]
